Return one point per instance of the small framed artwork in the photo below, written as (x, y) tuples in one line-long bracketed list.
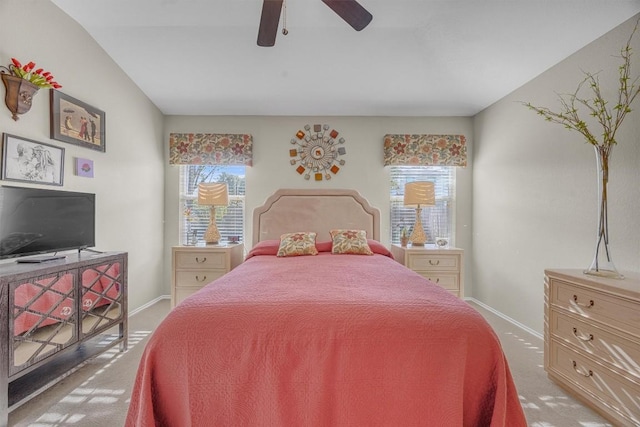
[(26, 160), (84, 167), (77, 123)]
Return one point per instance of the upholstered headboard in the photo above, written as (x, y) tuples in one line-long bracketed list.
[(291, 210)]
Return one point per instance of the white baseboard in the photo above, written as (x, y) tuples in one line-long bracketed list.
[(507, 318), (149, 304)]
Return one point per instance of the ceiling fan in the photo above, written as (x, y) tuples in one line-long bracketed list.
[(349, 10)]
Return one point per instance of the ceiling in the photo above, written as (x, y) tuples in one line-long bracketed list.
[(416, 58)]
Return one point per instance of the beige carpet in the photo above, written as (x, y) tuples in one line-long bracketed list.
[(97, 395)]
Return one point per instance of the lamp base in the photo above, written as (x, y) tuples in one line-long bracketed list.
[(212, 235), (418, 236)]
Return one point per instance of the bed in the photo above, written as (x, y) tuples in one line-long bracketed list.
[(326, 339)]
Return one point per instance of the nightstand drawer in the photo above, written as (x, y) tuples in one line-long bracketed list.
[(197, 278), (447, 281), (428, 262), (442, 266), (195, 266), (200, 259), (182, 293)]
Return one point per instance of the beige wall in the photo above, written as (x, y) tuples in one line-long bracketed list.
[(533, 182), (534, 187), (128, 181), (363, 170)]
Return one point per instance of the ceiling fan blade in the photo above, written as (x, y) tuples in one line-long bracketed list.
[(351, 11), (269, 22)]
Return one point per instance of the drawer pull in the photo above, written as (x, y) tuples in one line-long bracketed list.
[(581, 371), (436, 281), (591, 303), (582, 337), (434, 263), (201, 280), (199, 261)]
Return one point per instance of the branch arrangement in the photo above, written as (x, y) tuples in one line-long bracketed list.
[(610, 118)]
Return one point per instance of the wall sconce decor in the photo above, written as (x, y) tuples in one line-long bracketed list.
[(419, 193), (212, 194), (317, 150), (19, 94), (22, 83)]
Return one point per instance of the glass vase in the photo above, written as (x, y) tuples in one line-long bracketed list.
[(602, 264)]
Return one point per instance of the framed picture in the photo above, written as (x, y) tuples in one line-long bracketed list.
[(31, 161), (84, 167), (77, 123)]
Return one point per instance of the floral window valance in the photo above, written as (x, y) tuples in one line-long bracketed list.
[(210, 149), (425, 150)]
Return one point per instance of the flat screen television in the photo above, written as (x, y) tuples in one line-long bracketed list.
[(42, 221)]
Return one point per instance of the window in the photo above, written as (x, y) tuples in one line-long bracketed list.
[(194, 219), (437, 220)]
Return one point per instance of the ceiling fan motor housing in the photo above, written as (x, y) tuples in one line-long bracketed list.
[(349, 10)]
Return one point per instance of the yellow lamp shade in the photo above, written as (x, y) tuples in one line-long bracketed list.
[(419, 193), (213, 194)]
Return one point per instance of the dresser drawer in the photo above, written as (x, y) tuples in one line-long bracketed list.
[(200, 259), (197, 278), (447, 281), (610, 348), (435, 262), (588, 303), (591, 379)]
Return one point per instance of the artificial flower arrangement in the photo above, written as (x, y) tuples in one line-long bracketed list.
[(38, 77)]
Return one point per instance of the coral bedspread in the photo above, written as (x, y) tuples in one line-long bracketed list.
[(325, 340)]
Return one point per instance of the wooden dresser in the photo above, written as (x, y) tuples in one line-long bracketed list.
[(441, 266), (592, 341), (195, 266)]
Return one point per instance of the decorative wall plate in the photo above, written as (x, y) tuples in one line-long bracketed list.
[(317, 151)]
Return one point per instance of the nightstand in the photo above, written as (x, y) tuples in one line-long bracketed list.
[(195, 266), (443, 267)]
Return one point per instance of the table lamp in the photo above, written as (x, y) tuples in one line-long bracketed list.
[(212, 194), (419, 193)]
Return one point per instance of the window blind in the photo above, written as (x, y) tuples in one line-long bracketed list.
[(194, 219), (437, 220)]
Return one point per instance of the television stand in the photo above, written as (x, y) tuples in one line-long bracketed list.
[(95, 251), (77, 309), (39, 259)]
